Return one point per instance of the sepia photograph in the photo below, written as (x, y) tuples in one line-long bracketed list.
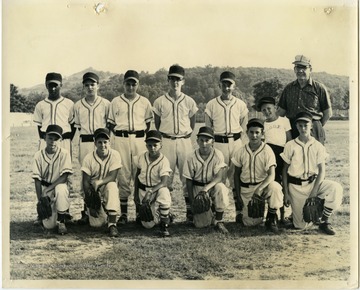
[(180, 144)]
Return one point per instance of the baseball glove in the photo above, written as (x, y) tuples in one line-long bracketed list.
[(256, 206), (312, 210), (43, 208), (145, 212), (201, 203), (92, 199)]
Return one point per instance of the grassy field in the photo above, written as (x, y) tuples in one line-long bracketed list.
[(189, 254)]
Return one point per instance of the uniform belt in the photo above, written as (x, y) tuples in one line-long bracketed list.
[(45, 183), (87, 138), (142, 186), (198, 183), (225, 139), (175, 137), (244, 184), (299, 181), (138, 134)]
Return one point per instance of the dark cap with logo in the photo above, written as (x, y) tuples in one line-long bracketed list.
[(255, 122), (153, 135), (91, 76), (176, 71), (227, 76), (265, 100), (102, 132), (53, 78), (303, 116), (131, 75), (206, 132), (55, 130)]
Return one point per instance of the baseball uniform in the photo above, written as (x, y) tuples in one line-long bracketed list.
[(59, 112), (97, 169), (254, 167), (149, 176), (47, 168), (303, 160)]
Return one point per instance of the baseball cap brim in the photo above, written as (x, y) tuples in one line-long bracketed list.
[(228, 80), (303, 119), (153, 139), (53, 81), (301, 63), (175, 75), (54, 133), (89, 78), (205, 135), (132, 78)]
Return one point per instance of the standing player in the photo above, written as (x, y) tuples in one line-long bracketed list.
[(204, 171), (277, 131), (228, 116), (55, 109), (304, 175), (130, 116), (151, 182), (254, 175), (100, 169), (90, 113), (51, 168), (174, 115)]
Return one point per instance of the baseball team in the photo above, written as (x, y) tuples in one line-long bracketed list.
[(130, 146)]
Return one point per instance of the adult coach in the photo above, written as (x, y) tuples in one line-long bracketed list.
[(174, 115), (55, 110), (130, 116), (228, 116), (306, 95)]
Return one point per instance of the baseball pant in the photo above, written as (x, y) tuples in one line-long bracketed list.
[(272, 193), (110, 204), (60, 203), (84, 149), (177, 151), (160, 208), (329, 190), (228, 150), (129, 148)]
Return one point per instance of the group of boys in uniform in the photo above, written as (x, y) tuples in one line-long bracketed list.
[(280, 170)]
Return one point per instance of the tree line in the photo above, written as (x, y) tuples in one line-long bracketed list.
[(201, 83)]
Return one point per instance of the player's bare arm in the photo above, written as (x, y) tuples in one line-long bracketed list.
[(243, 122), (326, 116), (192, 122), (147, 127), (320, 178), (285, 184), (288, 136), (136, 187), (281, 112), (237, 186), (157, 121), (189, 186), (73, 130), (208, 121), (110, 127), (270, 178), (40, 133)]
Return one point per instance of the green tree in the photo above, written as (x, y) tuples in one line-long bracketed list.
[(267, 88), (18, 103)]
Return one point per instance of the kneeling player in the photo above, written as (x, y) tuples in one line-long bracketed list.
[(203, 171), (100, 169), (52, 166), (304, 176), (254, 177), (151, 184)]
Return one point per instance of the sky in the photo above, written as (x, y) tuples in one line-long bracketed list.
[(40, 36)]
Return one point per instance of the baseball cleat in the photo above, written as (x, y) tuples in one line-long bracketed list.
[(113, 231), (84, 220), (123, 220), (327, 228), (62, 230), (164, 230), (37, 222), (239, 219), (221, 228)]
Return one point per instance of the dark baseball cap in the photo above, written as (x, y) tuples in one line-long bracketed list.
[(131, 75), (303, 116), (53, 78), (176, 71), (227, 76), (255, 122), (206, 131), (102, 132), (55, 130), (302, 60), (153, 135), (91, 76), (265, 100)]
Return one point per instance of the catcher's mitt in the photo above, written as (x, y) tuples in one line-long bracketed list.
[(43, 208), (201, 203), (312, 210), (92, 199), (256, 206), (145, 212)]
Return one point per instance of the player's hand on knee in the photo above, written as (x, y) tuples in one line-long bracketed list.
[(287, 200)]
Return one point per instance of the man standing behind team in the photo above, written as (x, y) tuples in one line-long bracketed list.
[(55, 110), (130, 116), (305, 94), (228, 116), (90, 113), (174, 115)]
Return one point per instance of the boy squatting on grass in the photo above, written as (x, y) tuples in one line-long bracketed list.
[(151, 183), (100, 169), (277, 131), (304, 176), (254, 175), (51, 168), (204, 171)]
